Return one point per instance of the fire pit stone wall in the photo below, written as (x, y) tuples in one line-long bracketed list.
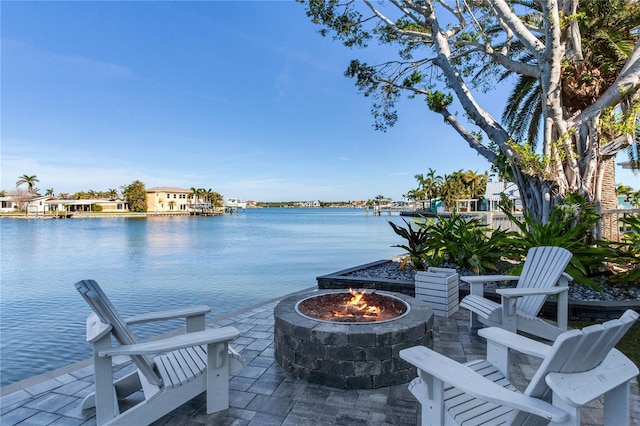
[(349, 355)]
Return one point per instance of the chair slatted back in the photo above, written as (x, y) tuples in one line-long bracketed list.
[(101, 305), (542, 268), (576, 351)]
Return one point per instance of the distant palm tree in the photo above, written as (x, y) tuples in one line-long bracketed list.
[(49, 192), (112, 194), (195, 194), (30, 181)]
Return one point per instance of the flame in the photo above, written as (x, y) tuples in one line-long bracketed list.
[(358, 307)]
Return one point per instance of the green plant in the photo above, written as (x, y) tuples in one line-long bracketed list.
[(631, 250), (467, 242), (570, 226), (480, 249), (632, 235), (415, 247)]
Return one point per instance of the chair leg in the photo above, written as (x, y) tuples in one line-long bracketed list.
[(217, 377), (617, 405), (429, 391), (574, 412), (509, 317), (498, 356), (474, 322), (124, 386), (105, 394)]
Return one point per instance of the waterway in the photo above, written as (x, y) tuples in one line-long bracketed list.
[(227, 262)]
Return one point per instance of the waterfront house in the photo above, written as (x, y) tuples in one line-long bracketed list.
[(34, 204), (9, 204), (86, 205), (167, 199), (493, 191)]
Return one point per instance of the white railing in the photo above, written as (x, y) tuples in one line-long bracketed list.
[(610, 227), (500, 220)]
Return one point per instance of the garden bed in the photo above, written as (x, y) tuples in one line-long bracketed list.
[(385, 275)]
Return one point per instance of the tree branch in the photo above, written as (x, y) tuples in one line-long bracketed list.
[(467, 136)]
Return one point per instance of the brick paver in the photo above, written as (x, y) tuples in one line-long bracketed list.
[(262, 393)]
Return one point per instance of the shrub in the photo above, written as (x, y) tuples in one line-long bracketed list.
[(466, 241), (630, 247), (570, 226), (416, 244)]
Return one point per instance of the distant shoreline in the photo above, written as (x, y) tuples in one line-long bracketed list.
[(86, 215)]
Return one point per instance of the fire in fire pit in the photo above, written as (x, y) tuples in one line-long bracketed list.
[(355, 306)]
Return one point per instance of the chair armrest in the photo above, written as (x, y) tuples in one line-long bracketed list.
[(579, 389), (477, 279), (169, 314), (566, 278), (519, 292), (211, 335), (514, 341), (476, 282), (465, 379)]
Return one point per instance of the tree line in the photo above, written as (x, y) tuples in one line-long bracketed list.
[(134, 194)]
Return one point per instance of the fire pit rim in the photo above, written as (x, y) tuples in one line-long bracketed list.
[(337, 291)]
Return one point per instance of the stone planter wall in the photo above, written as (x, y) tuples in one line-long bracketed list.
[(342, 280)]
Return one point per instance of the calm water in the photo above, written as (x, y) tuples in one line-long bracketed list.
[(160, 263)]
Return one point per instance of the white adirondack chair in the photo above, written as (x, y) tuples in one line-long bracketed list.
[(579, 367), (542, 275), (170, 371)]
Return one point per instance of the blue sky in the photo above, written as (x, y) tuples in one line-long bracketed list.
[(245, 98)]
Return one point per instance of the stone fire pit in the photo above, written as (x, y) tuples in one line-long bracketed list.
[(350, 355)]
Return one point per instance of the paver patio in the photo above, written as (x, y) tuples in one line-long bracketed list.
[(263, 393)]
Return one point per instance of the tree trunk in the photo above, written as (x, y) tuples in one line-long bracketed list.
[(609, 201)]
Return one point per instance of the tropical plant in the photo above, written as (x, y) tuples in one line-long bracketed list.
[(480, 249), (570, 226), (30, 181), (631, 249), (416, 244), (467, 242)]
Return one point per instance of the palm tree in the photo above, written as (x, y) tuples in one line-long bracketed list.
[(215, 198), (608, 32), (415, 195), (49, 192), (30, 181), (112, 194), (476, 182), (453, 189), (195, 195), (434, 184)]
